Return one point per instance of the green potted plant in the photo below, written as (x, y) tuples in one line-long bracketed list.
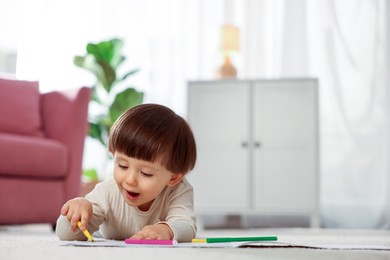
[(110, 97)]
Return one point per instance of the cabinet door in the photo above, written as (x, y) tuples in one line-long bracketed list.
[(218, 115), (285, 166)]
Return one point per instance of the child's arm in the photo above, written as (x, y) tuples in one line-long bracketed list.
[(78, 209), (179, 222), (90, 211), (181, 216)]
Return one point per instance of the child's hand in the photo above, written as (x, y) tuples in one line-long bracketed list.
[(78, 209), (157, 232)]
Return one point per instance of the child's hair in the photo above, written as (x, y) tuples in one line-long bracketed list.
[(152, 132)]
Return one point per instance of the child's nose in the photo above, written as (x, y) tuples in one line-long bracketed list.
[(131, 178)]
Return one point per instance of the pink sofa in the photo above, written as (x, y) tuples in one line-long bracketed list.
[(41, 148)]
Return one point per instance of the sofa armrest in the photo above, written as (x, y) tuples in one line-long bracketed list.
[(65, 120)]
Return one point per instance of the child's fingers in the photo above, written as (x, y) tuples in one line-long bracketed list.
[(149, 232), (84, 222), (138, 235), (65, 209), (77, 210), (73, 222)]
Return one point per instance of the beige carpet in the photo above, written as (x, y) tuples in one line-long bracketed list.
[(35, 242)]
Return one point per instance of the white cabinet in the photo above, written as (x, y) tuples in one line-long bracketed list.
[(257, 146)]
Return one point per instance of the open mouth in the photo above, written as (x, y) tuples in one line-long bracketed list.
[(132, 195)]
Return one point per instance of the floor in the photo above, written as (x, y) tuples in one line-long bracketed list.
[(35, 242)]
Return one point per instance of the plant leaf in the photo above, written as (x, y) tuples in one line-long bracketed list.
[(90, 175), (129, 74), (88, 62), (107, 51), (109, 75), (117, 57), (123, 101), (95, 131)]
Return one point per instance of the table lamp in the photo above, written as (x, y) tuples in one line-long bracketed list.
[(229, 44)]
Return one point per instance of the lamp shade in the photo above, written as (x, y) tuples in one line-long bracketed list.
[(230, 38)]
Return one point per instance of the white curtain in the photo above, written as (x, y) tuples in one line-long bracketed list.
[(354, 113), (342, 43)]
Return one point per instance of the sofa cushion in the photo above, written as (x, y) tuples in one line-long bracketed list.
[(20, 107), (32, 156)]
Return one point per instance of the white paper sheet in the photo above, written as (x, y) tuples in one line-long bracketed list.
[(273, 244)]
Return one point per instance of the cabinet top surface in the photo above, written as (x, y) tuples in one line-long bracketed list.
[(251, 80)]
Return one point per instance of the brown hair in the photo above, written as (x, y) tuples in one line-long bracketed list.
[(152, 132)]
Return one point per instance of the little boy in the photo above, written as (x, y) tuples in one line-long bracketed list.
[(149, 196)]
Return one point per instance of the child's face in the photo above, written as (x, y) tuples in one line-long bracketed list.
[(140, 182)]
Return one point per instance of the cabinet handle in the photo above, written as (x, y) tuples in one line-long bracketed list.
[(257, 144), (244, 144)]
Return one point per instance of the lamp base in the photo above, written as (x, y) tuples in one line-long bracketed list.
[(227, 70)]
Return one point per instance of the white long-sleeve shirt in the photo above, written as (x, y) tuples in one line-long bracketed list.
[(115, 219)]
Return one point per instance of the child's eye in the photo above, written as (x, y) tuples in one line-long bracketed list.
[(123, 166), (146, 174)]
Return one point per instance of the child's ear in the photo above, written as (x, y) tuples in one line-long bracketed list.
[(175, 179)]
